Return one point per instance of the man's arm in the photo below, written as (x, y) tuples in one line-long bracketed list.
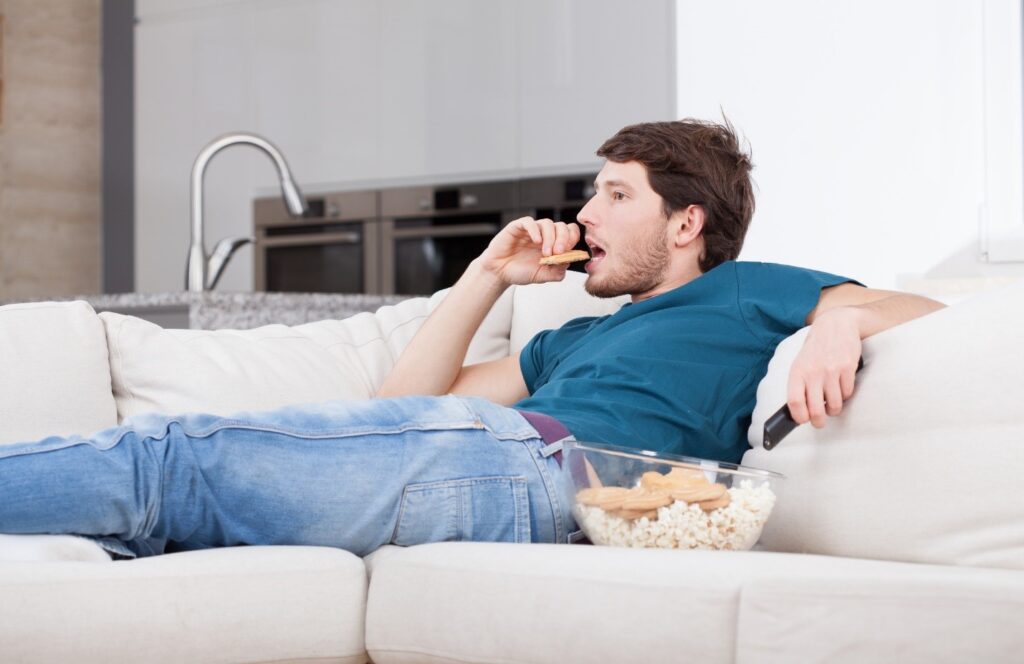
[(432, 362), (824, 372)]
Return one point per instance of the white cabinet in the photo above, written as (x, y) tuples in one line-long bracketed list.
[(364, 92), (304, 75), (316, 83), (448, 97), (586, 69), (192, 84)]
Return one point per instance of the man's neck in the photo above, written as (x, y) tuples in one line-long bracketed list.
[(681, 278)]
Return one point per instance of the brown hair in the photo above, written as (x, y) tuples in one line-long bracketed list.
[(694, 162)]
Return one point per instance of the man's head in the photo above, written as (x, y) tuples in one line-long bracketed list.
[(673, 201)]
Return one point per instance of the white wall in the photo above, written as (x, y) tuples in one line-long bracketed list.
[(867, 124)]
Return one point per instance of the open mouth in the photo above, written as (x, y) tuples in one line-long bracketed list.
[(597, 253)]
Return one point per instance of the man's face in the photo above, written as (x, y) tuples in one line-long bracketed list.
[(627, 231)]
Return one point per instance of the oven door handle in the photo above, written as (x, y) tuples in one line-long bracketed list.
[(349, 237), (465, 230)]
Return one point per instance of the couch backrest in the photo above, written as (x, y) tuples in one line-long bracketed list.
[(54, 373), (925, 462), (227, 371)]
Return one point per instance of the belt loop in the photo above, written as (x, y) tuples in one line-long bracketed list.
[(552, 448)]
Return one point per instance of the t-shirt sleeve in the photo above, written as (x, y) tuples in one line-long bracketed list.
[(541, 353), (776, 299)]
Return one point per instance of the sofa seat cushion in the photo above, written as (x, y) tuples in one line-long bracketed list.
[(486, 602), (242, 604), (845, 610), (482, 602), (39, 548), (54, 373), (925, 462)]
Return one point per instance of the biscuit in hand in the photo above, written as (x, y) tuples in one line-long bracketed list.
[(567, 257)]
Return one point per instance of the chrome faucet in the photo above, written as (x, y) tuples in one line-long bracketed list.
[(201, 271)]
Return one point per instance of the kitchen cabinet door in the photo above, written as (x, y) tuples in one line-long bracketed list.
[(303, 75), (316, 82), (192, 83), (587, 68), (448, 98)]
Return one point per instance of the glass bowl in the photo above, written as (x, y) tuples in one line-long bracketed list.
[(623, 496)]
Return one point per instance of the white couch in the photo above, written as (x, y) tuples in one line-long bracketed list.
[(899, 533)]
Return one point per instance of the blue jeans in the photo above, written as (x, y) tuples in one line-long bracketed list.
[(348, 474)]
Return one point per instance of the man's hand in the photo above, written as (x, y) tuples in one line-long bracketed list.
[(432, 362), (514, 254), (824, 372)]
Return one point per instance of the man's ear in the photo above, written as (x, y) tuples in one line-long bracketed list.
[(688, 224)]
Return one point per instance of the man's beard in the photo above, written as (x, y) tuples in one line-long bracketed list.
[(641, 268)]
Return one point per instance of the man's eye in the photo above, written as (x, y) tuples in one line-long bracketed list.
[(618, 195)]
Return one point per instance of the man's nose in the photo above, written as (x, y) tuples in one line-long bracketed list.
[(585, 215)]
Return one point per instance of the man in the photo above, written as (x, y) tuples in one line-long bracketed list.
[(675, 370)]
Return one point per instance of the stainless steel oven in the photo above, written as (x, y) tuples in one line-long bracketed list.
[(559, 198), (429, 235), (333, 249)]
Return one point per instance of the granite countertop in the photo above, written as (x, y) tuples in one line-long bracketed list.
[(214, 310)]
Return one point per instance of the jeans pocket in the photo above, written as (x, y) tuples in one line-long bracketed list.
[(479, 509)]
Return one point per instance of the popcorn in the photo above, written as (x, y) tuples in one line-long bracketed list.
[(681, 525)]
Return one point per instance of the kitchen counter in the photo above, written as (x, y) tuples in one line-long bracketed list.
[(214, 310)]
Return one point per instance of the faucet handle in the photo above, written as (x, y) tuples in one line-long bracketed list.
[(220, 256)]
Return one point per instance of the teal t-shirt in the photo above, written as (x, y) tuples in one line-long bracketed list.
[(677, 373)]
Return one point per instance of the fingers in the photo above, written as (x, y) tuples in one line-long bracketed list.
[(574, 235), (806, 401), (796, 398), (531, 227), (847, 380), (815, 398), (833, 398), (553, 237)]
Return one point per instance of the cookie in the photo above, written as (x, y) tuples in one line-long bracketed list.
[(698, 494), (709, 505), (567, 257), (687, 476), (631, 515), (607, 497), (648, 500), (653, 480)]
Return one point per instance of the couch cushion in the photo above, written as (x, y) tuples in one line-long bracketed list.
[(841, 610), (546, 306), (477, 602), (485, 602), (226, 371), (242, 604), (925, 462), (28, 548), (55, 378)]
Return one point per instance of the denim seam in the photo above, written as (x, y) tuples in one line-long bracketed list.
[(463, 481), (525, 433), (152, 512), (401, 513), (6, 451), (202, 476), (521, 496), (321, 434), (549, 485)]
